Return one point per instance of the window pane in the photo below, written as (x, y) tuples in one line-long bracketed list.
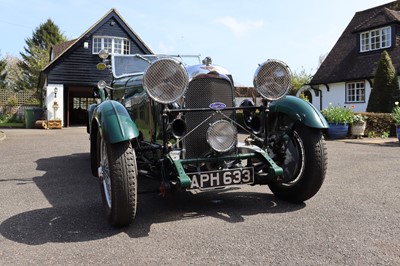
[(117, 46), (96, 45), (108, 44), (127, 49), (375, 39), (113, 45), (355, 92), (76, 103), (364, 42), (386, 36)]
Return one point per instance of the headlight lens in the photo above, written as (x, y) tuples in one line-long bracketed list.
[(165, 80), (221, 136), (273, 79)]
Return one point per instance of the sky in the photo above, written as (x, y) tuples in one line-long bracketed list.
[(238, 35)]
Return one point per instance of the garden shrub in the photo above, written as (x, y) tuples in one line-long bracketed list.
[(379, 124)]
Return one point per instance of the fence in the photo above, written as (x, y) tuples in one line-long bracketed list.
[(14, 104)]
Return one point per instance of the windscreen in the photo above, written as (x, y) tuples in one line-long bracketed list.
[(123, 65)]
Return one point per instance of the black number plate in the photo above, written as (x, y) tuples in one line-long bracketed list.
[(223, 178)]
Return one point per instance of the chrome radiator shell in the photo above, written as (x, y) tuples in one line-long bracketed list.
[(201, 93)]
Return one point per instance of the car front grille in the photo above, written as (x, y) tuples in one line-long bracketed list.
[(200, 94)]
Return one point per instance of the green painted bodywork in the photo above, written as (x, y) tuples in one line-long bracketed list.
[(301, 110), (142, 110), (182, 176), (114, 122)]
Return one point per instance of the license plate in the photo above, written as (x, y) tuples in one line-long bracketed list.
[(222, 178)]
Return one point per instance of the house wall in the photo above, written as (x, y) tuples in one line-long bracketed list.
[(78, 67), (51, 98), (74, 73), (336, 95)]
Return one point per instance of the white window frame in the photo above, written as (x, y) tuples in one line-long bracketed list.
[(355, 92), (114, 45), (376, 39)]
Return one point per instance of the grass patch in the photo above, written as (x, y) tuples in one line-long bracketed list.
[(12, 125)]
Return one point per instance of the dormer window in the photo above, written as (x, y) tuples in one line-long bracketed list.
[(114, 45), (375, 39)]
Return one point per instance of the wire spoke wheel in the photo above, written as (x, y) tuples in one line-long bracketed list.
[(303, 157), (118, 181), (105, 173)]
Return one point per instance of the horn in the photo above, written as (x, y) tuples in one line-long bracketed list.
[(256, 124), (178, 128), (247, 114)]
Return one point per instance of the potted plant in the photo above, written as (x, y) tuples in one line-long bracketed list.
[(396, 118), (339, 118), (358, 126)]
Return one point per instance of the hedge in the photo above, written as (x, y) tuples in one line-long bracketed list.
[(378, 124)]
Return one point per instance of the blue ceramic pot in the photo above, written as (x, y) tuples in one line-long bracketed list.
[(398, 132), (338, 131)]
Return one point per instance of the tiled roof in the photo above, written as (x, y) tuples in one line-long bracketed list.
[(345, 62), (60, 48)]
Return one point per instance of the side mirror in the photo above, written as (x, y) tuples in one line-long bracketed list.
[(100, 94)]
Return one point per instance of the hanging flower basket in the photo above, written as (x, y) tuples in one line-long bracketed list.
[(338, 130)]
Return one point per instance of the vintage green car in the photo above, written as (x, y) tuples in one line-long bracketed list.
[(179, 124)]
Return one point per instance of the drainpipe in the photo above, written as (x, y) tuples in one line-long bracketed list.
[(318, 92), (370, 83)]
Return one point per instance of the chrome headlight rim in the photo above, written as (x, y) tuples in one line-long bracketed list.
[(273, 79), (165, 75), (222, 136)]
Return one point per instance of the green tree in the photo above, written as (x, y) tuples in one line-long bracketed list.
[(386, 86), (36, 53), (299, 80), (3, 73)]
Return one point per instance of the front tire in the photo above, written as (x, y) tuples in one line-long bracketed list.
[(118, 181), (94, 154), (304, 162)]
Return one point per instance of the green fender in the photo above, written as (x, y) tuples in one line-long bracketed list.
[(300, 110), (91, 109), (114, 122)]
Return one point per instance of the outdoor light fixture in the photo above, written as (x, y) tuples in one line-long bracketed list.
[(55, 92)]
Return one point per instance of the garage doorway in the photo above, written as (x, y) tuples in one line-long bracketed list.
[(79, 111), (79, 100)]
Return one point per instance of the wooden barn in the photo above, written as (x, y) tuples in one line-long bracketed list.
[(67, 82)]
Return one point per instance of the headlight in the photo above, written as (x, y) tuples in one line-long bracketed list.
[(273, 79), (165, 80), (221, 136)]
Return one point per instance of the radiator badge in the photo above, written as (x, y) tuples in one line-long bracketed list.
[(217, 106)]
